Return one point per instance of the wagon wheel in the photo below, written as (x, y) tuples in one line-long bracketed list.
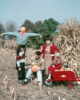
[(46, 82)]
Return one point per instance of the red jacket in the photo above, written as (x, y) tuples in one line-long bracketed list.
[(53, 48)]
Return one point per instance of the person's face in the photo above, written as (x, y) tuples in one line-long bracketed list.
[(21, 53), (22, 30), (48, 42), (37, 56)]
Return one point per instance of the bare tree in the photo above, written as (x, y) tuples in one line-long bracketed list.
[(2, 29), (11, 26)]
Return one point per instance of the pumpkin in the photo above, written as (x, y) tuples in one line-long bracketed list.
[(35, 68)]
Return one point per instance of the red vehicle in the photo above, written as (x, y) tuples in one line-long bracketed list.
[(58, 75)]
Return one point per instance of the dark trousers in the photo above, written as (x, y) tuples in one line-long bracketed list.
[(21, 73)]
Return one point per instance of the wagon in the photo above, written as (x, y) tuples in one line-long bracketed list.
[(57, 76)]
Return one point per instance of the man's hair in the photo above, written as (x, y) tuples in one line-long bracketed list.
[(38, 53)]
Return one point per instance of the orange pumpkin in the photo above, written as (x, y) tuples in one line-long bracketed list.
[(35, 68)]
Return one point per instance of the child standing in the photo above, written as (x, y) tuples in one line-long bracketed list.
[(21, 65)]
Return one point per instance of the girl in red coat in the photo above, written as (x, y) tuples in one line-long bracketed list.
[(48, 53)]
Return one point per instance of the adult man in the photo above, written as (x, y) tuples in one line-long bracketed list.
[(37, 67)]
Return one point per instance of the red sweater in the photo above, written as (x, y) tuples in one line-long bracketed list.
[(53, 48)]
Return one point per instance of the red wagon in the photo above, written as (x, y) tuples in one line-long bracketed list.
[(62, 76)]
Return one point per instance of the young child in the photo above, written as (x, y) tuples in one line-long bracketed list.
[(21, 65), (37, 66), (57, 64)]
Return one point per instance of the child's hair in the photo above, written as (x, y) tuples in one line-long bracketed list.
[(22, 49), (38, 53)]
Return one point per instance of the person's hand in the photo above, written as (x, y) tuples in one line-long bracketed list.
[(19, 69), (29, 67), (42, 60), (26, 67), (33, 63)]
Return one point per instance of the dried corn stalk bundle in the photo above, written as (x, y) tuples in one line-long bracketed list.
[(68, 40)]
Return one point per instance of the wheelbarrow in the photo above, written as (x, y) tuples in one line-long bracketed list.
[(57, 76)]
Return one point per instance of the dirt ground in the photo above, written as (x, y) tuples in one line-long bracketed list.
[(10, 89)]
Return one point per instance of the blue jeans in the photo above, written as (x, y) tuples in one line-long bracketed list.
[(39, 75)]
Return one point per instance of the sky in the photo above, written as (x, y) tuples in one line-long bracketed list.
[(35, 10)]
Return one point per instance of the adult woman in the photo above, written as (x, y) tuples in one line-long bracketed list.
[(48, 53)]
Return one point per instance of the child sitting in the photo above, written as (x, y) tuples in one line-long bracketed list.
[(21, 65), (57, 64), (37, 66)]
